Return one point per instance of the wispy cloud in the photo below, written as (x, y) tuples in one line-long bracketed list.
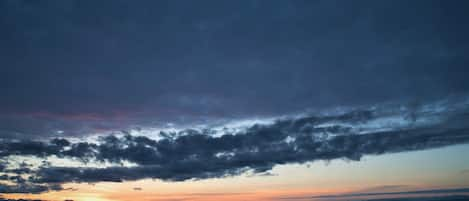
[(351, 195)]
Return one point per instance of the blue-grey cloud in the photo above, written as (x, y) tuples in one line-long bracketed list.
[(198, 154), (29, 188)]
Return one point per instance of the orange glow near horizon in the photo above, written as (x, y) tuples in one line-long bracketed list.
[(158, 191), (115, 192), (88, 193)]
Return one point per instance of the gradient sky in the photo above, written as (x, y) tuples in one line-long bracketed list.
[(235, 100)]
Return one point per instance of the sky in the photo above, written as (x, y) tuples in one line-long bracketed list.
[(236, 100)]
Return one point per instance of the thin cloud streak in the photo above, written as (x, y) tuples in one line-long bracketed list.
[(430, 191)]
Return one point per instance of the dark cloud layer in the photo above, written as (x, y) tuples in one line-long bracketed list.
[(194, 157), (198, 154), (28, 188)]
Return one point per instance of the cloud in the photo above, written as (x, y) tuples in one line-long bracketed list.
[(198, 154), (384, 188), (420, 192), (426, 198), (28, 188), (1, 199), (429, 198)]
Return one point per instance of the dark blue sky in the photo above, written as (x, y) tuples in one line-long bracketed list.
[(227, 58), (66, 63)]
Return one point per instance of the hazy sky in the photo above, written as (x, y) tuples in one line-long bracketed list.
[(173, 100)]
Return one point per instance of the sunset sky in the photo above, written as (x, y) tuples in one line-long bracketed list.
[(249, 100)]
